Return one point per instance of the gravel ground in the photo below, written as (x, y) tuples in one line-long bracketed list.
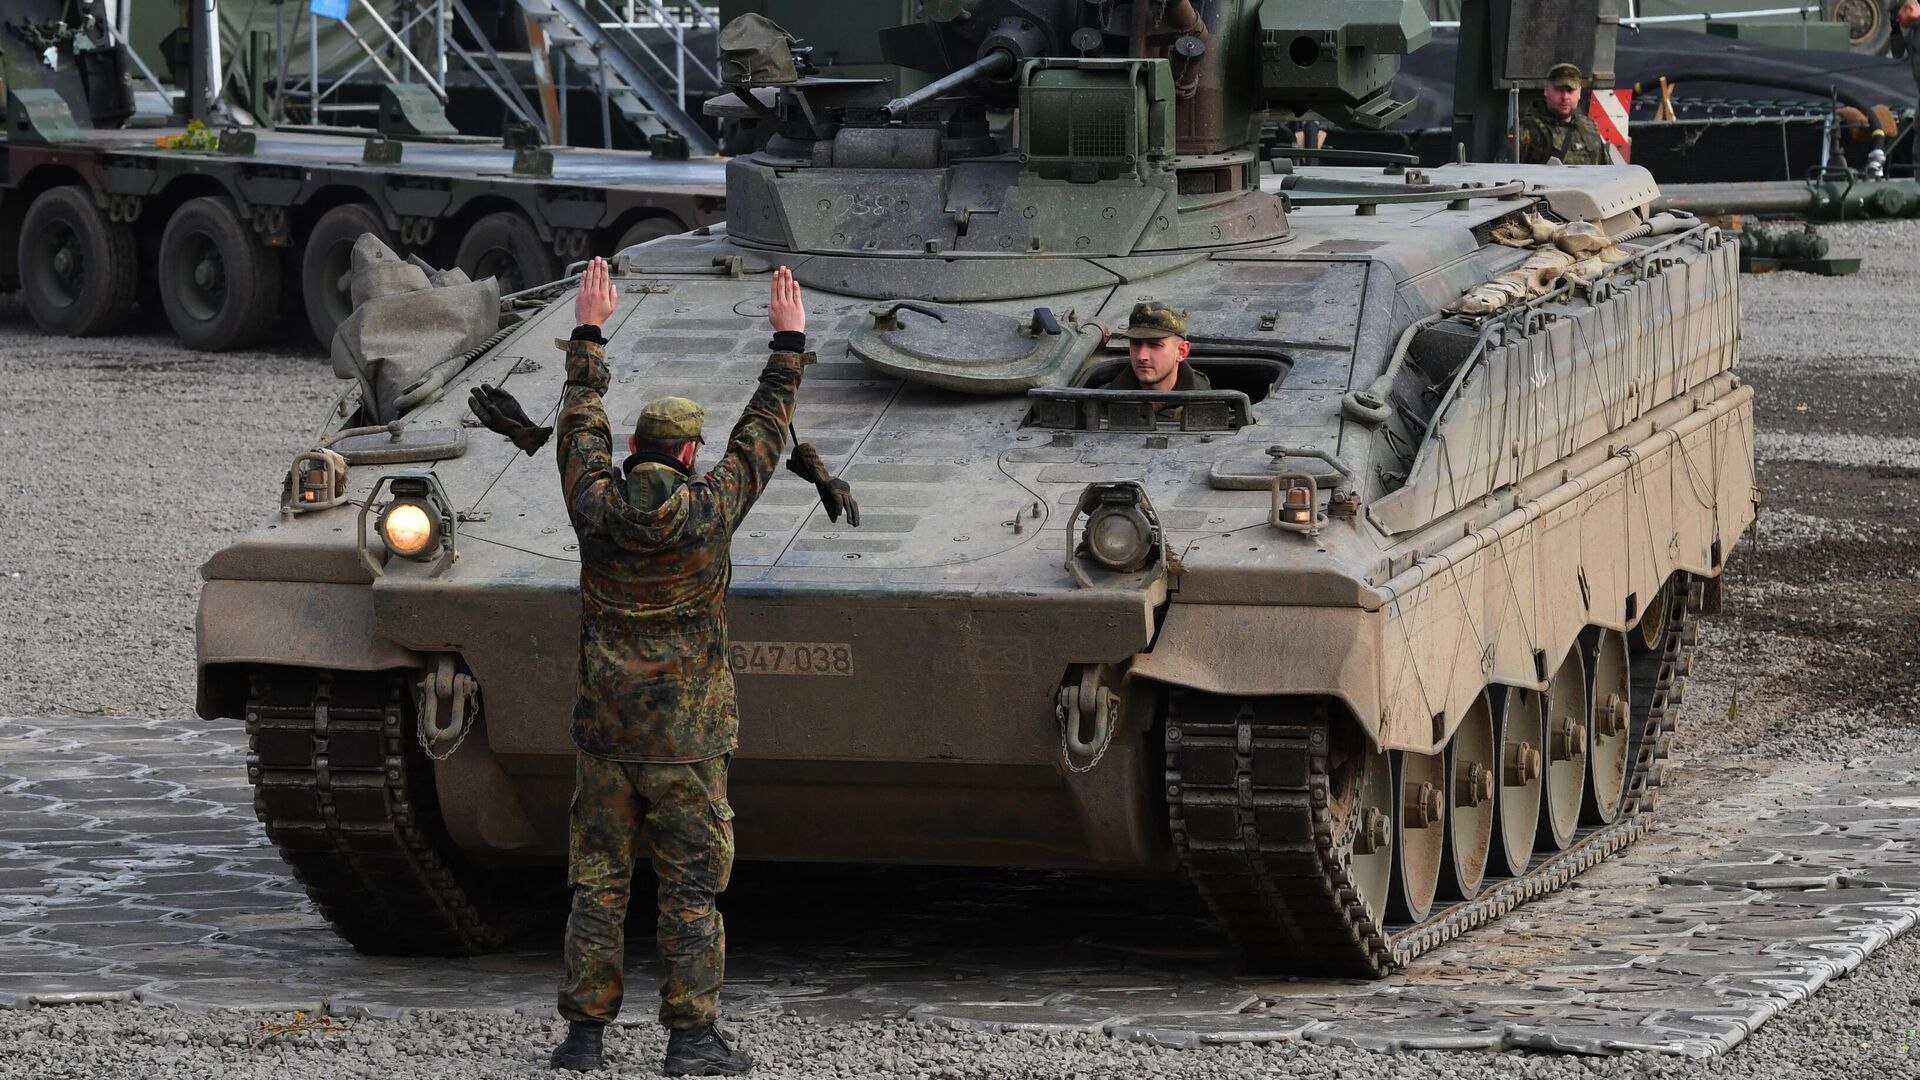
[(126, 462), (1815, 658)]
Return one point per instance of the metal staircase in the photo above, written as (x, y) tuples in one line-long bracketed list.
[(640, 53)]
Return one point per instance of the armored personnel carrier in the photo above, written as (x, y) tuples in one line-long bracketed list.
[(1373, 638)]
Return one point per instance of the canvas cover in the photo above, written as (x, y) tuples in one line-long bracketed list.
[(410, 330)]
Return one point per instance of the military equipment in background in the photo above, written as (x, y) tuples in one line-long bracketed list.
[(1839, 25), (1378, 637), (1838, 195), (1765, 249), (841, 35), (226, 228)]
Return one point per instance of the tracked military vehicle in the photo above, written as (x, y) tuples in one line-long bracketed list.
[(1373, 639)]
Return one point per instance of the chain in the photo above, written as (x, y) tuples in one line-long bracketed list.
[(1062, 713), (472, 711)]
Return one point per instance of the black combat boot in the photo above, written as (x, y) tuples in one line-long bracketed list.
[(581, 1050), (702, 1052)]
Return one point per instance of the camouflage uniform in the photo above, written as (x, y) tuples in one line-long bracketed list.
[(1904, 42), (656, 721), (1544, 136), (1575, 142)]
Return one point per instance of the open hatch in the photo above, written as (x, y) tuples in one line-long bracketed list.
[(1240, 377)]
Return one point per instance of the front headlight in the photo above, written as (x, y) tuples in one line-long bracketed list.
[(408, 529), (416, 522), (1122, 532), (1119, 537)]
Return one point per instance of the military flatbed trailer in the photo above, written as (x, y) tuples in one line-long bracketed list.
[(234, 240)]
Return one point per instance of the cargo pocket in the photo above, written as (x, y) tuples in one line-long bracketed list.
[(721, 850)]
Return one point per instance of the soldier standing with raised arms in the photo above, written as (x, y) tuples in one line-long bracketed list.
[(656, 720)]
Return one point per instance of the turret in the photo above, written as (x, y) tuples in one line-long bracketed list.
[(1138, 124)]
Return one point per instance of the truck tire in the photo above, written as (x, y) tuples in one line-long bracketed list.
[(651, 228), (220, 286), (1869, 24), (78, 271), (508, 247), (324, 265)]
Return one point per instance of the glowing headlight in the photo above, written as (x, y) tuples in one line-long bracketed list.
[(416, 523), (408, 529)]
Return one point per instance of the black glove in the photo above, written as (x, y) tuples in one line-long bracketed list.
[(835, 495), (499, 413)]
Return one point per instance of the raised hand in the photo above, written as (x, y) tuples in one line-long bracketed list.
[(784, 309), (594, 304)]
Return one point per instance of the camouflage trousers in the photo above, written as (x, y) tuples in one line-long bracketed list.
[(681, 810)]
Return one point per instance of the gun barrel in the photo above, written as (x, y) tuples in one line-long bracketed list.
[(997, 62)]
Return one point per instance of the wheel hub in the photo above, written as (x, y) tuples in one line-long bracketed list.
[(1523, 764), (1425, 806), (1569, 738), (1859, 15), (1372, 837), (1474, 786), (206, 273)]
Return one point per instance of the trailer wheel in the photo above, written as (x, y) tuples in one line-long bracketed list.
[(78, 270), (324, 265), (652, 228), (508, 247), (1869, 24), (220, 287)]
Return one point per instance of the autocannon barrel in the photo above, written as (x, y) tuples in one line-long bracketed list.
[(995, 63)]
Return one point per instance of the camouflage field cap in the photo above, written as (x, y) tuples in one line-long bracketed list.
[(1566, 75), (755, 51), (1152, 320), (671, 418)]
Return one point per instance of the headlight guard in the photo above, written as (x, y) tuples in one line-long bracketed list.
[(1123, 531), (416, 523)]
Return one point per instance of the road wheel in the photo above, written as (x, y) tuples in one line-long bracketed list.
[(78, 270), (1420, 827), (1517, 802), (506, 246), (326, 261), (646, 229), (1362, 809), (1472, 782), (1566, 754), (1609, 727), (220, 286)]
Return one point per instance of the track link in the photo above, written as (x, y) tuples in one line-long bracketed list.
[(345, 795), (1251, 805)]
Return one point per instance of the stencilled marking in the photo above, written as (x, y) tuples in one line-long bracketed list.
[(790, 658)]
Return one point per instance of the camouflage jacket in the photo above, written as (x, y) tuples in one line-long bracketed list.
[(1575, 142), (1905, 41), (654, 568)]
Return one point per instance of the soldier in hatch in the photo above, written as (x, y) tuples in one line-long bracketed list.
[(1556, 128), (1157, 352), (656, 721)]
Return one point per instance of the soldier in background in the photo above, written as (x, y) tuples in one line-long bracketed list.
[(1906, 35), (656, 721), (1556, 128)]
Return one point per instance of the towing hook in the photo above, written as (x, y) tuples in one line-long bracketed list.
[(445, 691)]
